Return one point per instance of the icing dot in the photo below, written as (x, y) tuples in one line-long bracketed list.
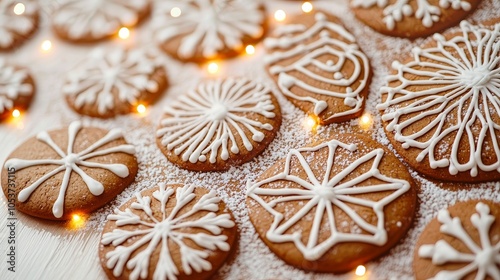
[(326, 193), (71, 159), (337, 75), (218, 112)]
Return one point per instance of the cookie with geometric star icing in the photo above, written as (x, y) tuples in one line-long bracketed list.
[(318, 66), (72, 170), (462, 242), (171, 231), (93, 20), (412, 18), (219, 124), (114, 82), (17, 89), (440, 106), (17, 24), (200, 30), (334, 205)]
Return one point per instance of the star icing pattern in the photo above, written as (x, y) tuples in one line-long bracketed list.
[(164, 232), (325, 194), (484, 258), (211, 25), (457, 87), (12, 85), (293, 41), (203, 119), (70, 162), (128, 73), (11, 24), (426, 12)]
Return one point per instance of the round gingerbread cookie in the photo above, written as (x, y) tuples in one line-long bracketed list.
[(334, 205), (18, 21), (93, 20), (319, 67), (16, 89), (441, 109), (200, 30), (111, 83), (73, 170), (412, 18), (462, 242), (168, 232), (219, 124)]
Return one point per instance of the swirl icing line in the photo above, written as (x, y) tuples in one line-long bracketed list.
[(12, 85)]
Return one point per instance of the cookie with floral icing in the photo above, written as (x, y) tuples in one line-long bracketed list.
[(440, 106), (219, 124), (462, 242), (170, 231), (18, 21), (72, 170), (319, 67), (92, 20), (16, 89), (412, 18), (111, 83), (334, 205), (199, 30)]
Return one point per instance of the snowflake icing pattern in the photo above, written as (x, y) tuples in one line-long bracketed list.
[(460, 80), (12, 86), (158, 233), (71, 162), (483, 259), (12, 24), (325, 194)]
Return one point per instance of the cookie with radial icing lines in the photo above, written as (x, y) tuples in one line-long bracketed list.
[(171, 231), (317, 64), (412, 18), (17, 88), (201, 30), (334, 205), (219, 124), (462, 242), (17, 22), (114, 82), (440, 107), (93, 20), (74, 170)]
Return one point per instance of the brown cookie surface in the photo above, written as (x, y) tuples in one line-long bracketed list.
[(319, 67), (114, 82), (168, 232), (462, 242), (334, 205), (200, 30), (440, 107), (219, 124), (18, 22), (412, 18), (17, 89), (73, 170)]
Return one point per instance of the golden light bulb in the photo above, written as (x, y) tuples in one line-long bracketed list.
[(311, 123), (366, 121), (213, 67), (46, 45), (141, 109), (250, 49), (19, 9), (124, 33), (279, 15), (307, 7), (16, 113), (360, 270), (175, 12)]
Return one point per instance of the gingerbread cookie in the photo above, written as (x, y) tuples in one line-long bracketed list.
[(463, 242), (89, 21), (18, 21), (441, 108), (412, 18), (199, 30), (16, 89), (334, 205), (221, 123), (113, 83), (67, 171), (167, 232), (319, 67)]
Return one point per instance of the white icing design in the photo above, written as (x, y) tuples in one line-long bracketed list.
[(12, 85), (325, 194), (204, 119), (208, 25), (70, 162), (483, 259), (456, 86), (97, 18), (171, 228), (426, 12), (296, 40), (95, 80), (12, 25)]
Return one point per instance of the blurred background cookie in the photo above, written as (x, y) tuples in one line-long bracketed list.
[(17, 89), (18, 22)]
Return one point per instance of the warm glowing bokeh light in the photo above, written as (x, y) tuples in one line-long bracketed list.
[(141, 109), (360, 270), (213, 67), (16, 113), (366, 121), (77, 221), (280, 15), (46, 45), (311, 123), (124, 33), (19, 9), (307, 7), (175, 12), (250, 49)]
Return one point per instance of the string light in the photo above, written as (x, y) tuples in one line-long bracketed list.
[(280, 15), (366, 121), (307, 7), (46, 45), (175, 12), (124, 33), (360, 270), (250, 49), (141, 109), (16, 113), (311, 123), (213, 68), (19, 9), (77, 221)]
